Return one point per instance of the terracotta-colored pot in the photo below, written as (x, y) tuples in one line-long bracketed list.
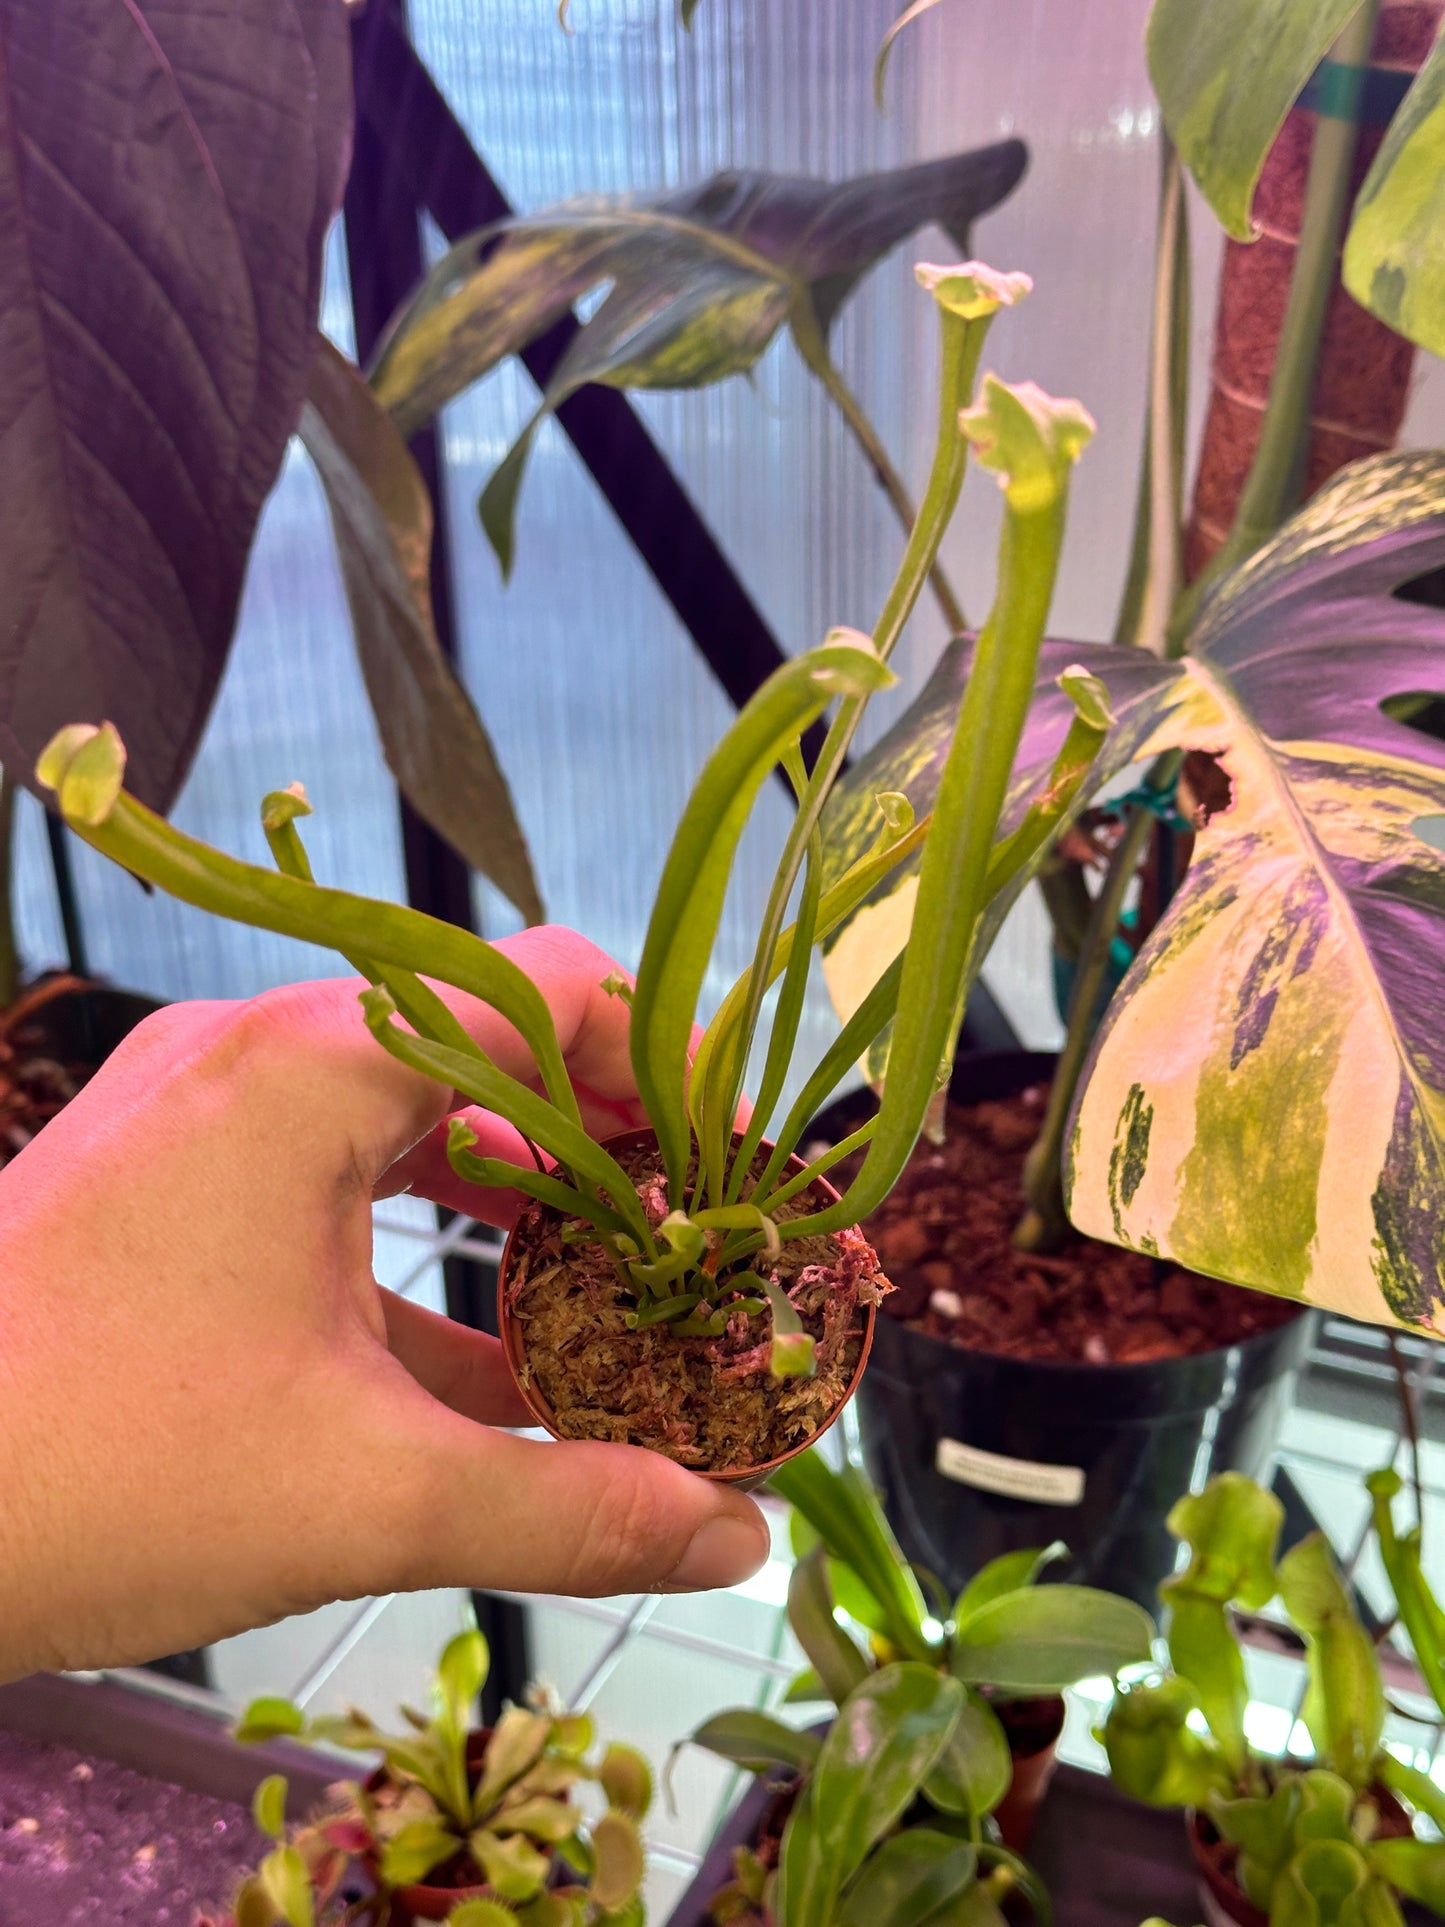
[(746, 1479), (424, 1901), (1032, 1728), (1219, 1896)]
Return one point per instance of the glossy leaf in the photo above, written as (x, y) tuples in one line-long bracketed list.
[(1291, 1134), (701, 277), (1008, 1573), (160, 278), (975, 1767), (757, 1741), (1394, 260), (886, 1739), (1344, 1709), (839, 1664), (1049, 1637), (1223, 106), (843, 1509), (908, 1879), (431, 735)]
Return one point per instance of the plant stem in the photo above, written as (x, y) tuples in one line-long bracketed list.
[(961, 346), (814, 350), (1272, 488), (1168, 393), (1044, 1223), (9, 946)]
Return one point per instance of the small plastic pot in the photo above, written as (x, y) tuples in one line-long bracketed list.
[(746, 1478), (1032, 1728)]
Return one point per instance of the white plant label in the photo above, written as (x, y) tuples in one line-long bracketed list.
[(1013, 1478)]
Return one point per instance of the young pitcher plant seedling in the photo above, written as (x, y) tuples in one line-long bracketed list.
[(731, 1204)]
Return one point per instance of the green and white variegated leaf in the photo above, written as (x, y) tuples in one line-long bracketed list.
[(1266, 1098), (1265, 1101), (697, 283), (909, 759)]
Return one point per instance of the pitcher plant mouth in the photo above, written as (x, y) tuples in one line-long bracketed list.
[(859, 1284)]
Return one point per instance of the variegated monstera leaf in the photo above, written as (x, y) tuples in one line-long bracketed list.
[(1265, 1101)]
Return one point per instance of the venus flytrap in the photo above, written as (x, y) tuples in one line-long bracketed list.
[(713, 1262)]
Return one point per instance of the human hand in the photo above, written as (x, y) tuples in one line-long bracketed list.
[(212, 1416)]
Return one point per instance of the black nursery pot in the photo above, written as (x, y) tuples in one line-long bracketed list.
[(976, 1455)]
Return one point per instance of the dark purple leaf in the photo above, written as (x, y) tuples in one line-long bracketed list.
[(167, 177)]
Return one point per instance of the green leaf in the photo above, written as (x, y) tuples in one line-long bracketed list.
[(975, 1767), (1412, 1867), (269, 1719), (1049, 1637), (688, 905), (1418, 1607), (843, 1509), (431, 735), (113, 822), (268, 1806), (884, 1743), (1154, 1754), (792, 1345), (838, 1663), (757, 1741), (1345, 1707), (1322, 1887), (908, 1879), (1010, 1572), (1394, 261), (539, 1816), (481, 1912), (619, 1864), (414, 1850), (806, 1686), (512, 1864), (1232, 1529), (1226, 75), (516, 1745), (287, 1885), (1216, 1142), (626, 1779), (700, 278), (461, 1674)]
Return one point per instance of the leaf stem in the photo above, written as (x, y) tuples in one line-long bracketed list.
[(1045, 1222), (814, 350), (1273, 486), (961, 346)]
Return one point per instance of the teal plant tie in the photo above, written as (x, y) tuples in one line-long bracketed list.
[(1162, 802)]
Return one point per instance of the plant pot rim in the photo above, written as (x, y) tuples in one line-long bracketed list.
[(746, 1478), (1122, 1366)]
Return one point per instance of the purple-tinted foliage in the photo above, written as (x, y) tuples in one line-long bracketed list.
[(168, 171)]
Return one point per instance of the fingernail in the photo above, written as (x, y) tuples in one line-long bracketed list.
[(724, 1551)]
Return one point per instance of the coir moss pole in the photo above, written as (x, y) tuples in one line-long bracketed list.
[(1364, 367)]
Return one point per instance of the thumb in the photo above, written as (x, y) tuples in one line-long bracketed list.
[(521, 1515)]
